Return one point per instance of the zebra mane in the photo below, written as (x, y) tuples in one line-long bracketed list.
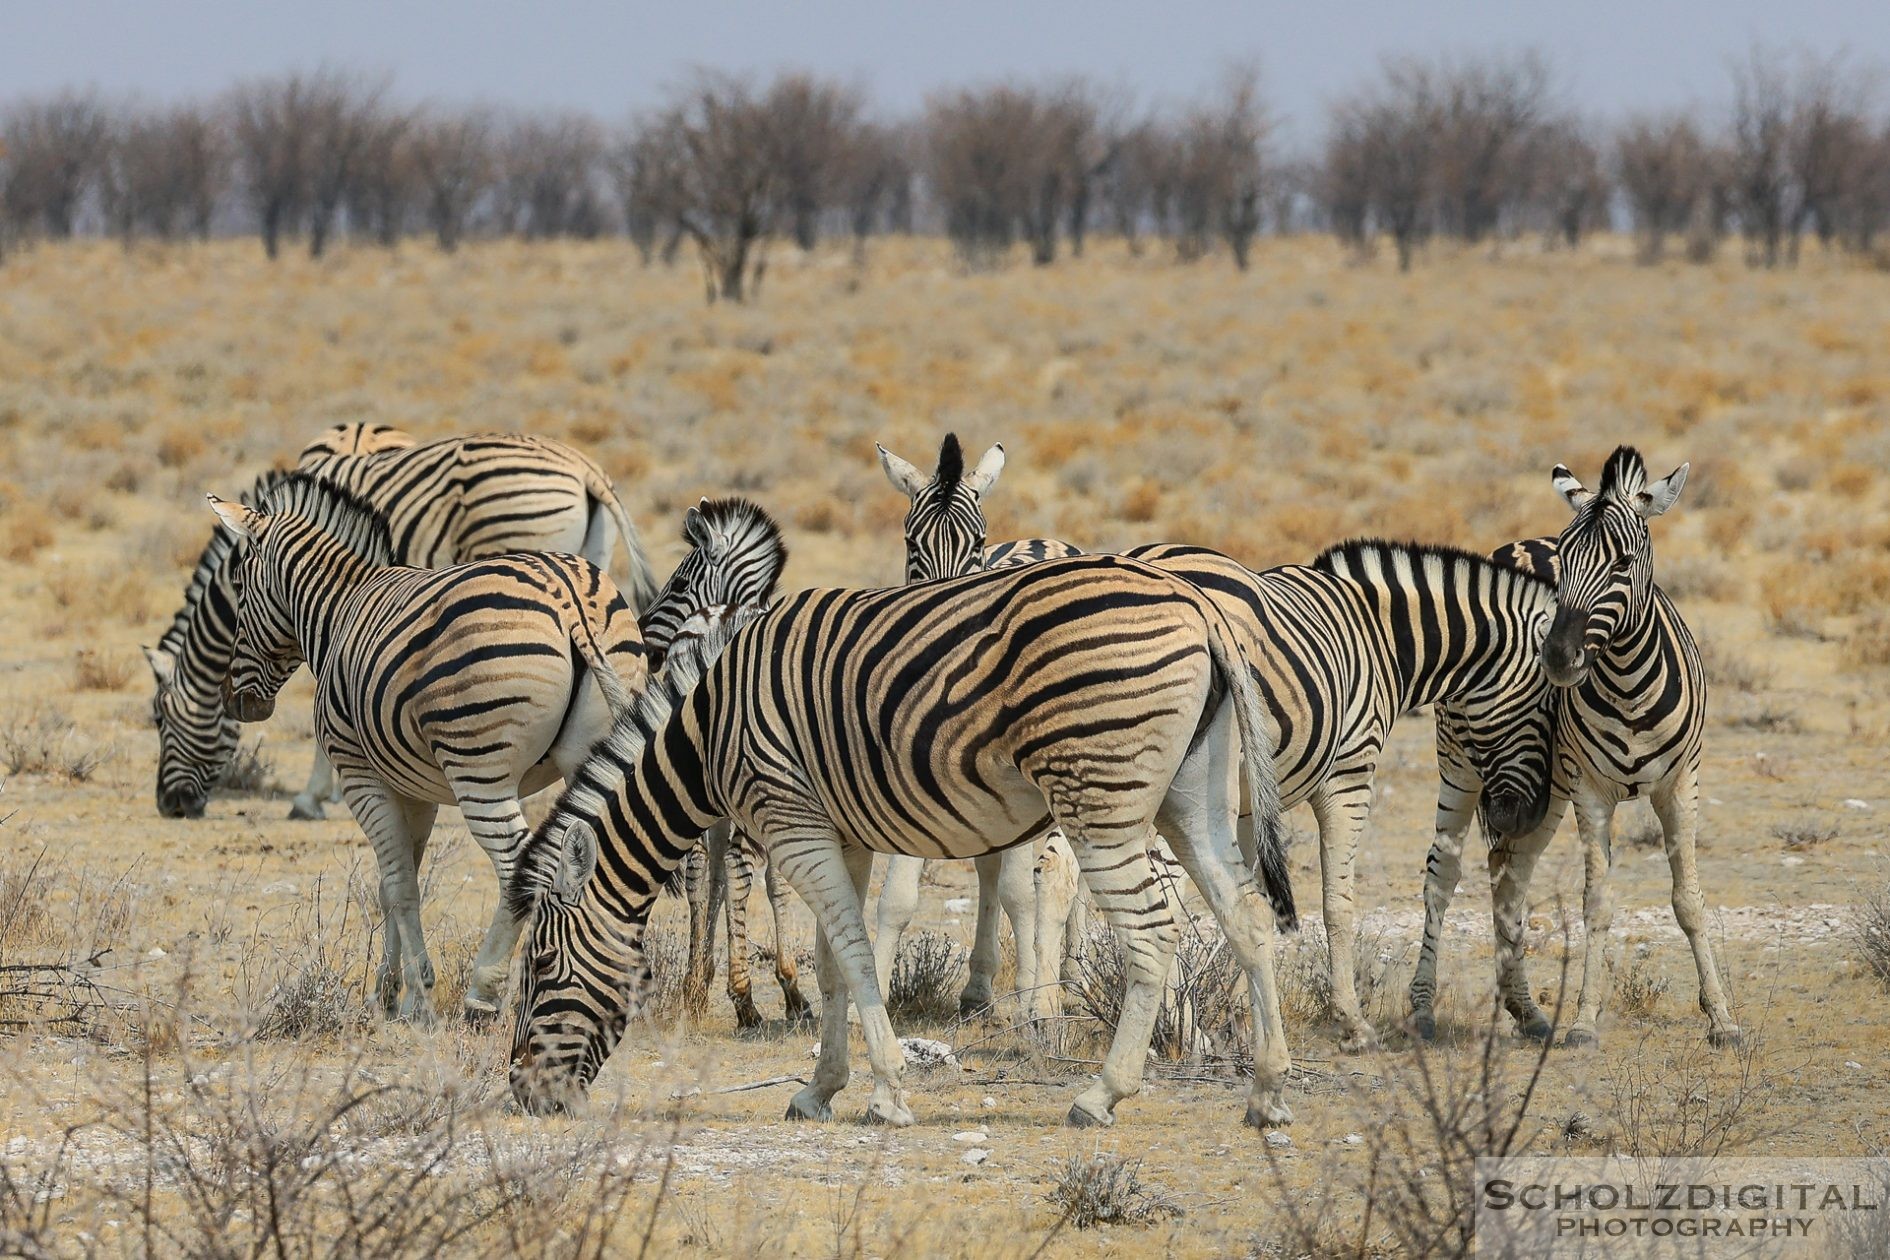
[(751, 533), (587, 794), (341, 514), (951, 466), (211, 560), (1624, 475), (1347, 559)]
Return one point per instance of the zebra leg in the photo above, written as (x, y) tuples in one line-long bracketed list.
[(785, 972), (322, 786), (1055, 878), (499, 827), (1677, 803), (391, 823), (1595, 817), (1443, 870), (1198, 821), (1131, 898), (1342, 815), (976, 998), (833, 881), (741, 883), (898, 902), (1512, 866), (704, 874), (1017, 893)]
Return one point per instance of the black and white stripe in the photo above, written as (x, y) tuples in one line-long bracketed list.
[(1629, 720), (939, 720), (471, 685), (445, 502)]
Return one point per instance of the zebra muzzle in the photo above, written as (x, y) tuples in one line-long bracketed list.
[(248, 706)]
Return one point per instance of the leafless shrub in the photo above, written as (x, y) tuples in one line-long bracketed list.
[(249, 772), (1693, 1101), (311, 977), (1107, 1189), (452, 159), (1638, 985), (1807, 832), (1870, 933), (926, 975), (54, 149), (1725, 668), (1204, 1013), (1868, 643), (94, 670), (1305, 978), (1763, 716), (42, 740), (1645, 834)]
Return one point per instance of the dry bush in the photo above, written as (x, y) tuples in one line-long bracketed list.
[(1420, 1124), (42, 740), (1808, 832), (1868, 644), (49, 961), (1205, 1013), (1761, 715), (1690, 1102), (311, 975), (1699, 579), (26, 534), (93, 670), (119, 590), (927, 973), (1107, 1189), (1638, 985), (1305, 979), (1870, 933), (1725, 668), (249, 772), (1644, 834)]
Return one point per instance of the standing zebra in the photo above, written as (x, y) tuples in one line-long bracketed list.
[(1630, 717), (1368, 632), (468, 686), (942, 720), (945, 538), (446, 502), (734, 562)]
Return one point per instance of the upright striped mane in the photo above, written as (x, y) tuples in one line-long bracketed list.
[(343, 515), (951, 466), (750, 533), (1624, 475), (1352, 559)]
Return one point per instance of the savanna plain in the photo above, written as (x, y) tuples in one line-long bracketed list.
[(187, 1061)]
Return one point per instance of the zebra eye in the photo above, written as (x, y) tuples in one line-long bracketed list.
[(1624, 564)]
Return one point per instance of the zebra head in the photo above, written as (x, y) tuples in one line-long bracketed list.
[(1607, 561), (354, 439), (735, 558), (945, 530), (195, 739), (1509, 736)]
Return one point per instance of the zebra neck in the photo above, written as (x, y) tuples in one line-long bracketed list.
[(648, 806), (1621, 668), (202, 638), (327, 573), (1448, 639)]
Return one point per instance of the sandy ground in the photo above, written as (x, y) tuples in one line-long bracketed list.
[(1267, 414)]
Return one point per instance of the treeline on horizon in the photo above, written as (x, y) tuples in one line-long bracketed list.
[(1474, 148)]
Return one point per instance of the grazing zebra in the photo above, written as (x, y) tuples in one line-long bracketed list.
[(1368, 632), (734, 562), (1631, 711), (446, 502), (941, 720), (469, 685), (945, 538), (355, 439)]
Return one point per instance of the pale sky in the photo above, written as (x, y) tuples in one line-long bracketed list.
[(611, 57)]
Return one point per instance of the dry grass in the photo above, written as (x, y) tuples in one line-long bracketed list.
[(1269, 414), (1107, 1190)]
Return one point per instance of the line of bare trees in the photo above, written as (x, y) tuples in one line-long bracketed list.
[(1476, 149)]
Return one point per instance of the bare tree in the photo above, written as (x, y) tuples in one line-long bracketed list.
[(550, 166), (1570, 187), (1663, 166), (271, 122), (347, 118), (1831, 145), (1345, 180), (1389, 132), (1127, 183), (1761, 153), (729, 193), (384, 186), (452, 163), (1488, 110), (55, 148), (646, 170), (978, 162), (812, 125), (876, 183)]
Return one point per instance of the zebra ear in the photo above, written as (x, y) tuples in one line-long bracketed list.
[(576, 863), (1660, 496), (986, 473), (163, 665), (695, 529), (239, 520), (905, 478), (1573, 492)]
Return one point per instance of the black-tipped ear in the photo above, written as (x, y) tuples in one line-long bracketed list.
[(1573, 492), (576, 863), (1660, 496), (905, 478)]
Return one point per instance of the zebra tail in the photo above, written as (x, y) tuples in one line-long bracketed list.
[(617, 693), (1257, 739), (642, 579)]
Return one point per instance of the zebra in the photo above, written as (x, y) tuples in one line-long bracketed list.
[(355, 439), (1371, 630), (939, 720), (468, 685), (945, 538), (733, 564), (1630, 718), (448, 501)]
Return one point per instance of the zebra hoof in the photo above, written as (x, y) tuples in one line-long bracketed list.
[(1274, 1114), (747, 1016), (1581, 1039), (1536, 1028), (807, 1106), (1082, 1118), (306, 809), (1424, 1025), (971, 1007), (800, 1012), (478, 1013), (1358, 1040), (893, 1116), (1726, 1037)]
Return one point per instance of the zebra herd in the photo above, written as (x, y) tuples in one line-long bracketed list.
[(1132, 714)]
